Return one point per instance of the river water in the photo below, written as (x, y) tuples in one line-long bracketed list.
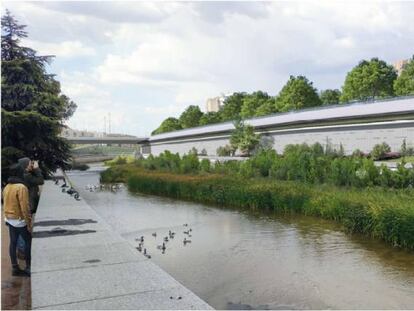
[(245, 260)]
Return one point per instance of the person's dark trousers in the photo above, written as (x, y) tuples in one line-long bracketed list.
[(15, 232)]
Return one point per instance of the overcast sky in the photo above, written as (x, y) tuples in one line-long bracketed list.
[(145, 61)]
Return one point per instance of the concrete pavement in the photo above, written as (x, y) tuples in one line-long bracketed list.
[(79, 262)]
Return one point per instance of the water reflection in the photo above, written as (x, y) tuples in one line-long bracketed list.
[(242, 259)]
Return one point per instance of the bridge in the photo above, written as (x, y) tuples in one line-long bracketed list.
[(125, 140)]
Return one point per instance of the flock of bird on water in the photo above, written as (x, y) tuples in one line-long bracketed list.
[(91, 188), (115, 187), (166, 239)]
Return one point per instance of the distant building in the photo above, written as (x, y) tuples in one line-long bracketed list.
[(399, 65), (214, 104)]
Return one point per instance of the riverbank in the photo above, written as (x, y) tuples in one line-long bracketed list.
[(79, 262), (380, 213)]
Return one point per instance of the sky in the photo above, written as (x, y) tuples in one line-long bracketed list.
[(145, 61)]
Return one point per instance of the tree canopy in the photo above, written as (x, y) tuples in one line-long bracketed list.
[(252, 102), (33, 107), (168, 125), (190, 117), (330, 97), (369, 80), (232, 106), (210, 118), (404, 85), (366, 81), (297, 93)]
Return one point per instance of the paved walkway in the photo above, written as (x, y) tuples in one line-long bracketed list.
[(79, 262), (15, 291)]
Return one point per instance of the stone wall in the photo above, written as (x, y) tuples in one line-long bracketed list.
[(353, 136)]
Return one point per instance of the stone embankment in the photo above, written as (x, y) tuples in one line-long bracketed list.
[(79, 262)]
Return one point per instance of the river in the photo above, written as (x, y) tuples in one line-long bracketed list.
[(241, 259)]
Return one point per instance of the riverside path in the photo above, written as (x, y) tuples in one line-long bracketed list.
[(79, 262)]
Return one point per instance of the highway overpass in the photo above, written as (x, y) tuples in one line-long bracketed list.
[(126, 140)]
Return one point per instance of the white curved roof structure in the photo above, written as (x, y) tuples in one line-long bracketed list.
[(358, 110)]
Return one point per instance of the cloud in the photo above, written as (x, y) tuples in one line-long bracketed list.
[(149, 60), (113, 11), (66, 49)]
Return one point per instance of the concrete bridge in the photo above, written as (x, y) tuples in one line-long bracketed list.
[(126, 140)]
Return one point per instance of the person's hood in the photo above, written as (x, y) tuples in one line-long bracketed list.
[(15, 180), (24, 162)]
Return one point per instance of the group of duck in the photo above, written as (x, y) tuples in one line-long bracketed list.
[(93, 188), (166, 239), (71, 191)]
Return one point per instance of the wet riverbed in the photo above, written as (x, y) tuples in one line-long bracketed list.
[(246, 260)]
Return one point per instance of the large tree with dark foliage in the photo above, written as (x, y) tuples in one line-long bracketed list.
[(33, 107)]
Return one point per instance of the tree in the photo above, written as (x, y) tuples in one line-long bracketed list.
[(330, 97), (210, 118), (404, 85), (243, 137), (369, 80), (33, 107), (268, 107), (190, 117), (252, 102), (232, 107), (168, 125), (379, 151), (298, 93)]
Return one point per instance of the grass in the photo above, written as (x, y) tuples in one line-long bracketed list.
[(387, 214)]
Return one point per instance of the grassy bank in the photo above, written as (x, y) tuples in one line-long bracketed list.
[(377, 212)]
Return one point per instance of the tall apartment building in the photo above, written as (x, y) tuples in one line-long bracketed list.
[(214, 104), (399, 65)]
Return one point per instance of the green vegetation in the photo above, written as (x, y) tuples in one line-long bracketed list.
[(404, 85), (369, 80), (364, 198), (330, 97), (190, 117), (119, 160), (254, 102), (168, 125), (33, 107), (298, 93), (379, 151), (243, 138)]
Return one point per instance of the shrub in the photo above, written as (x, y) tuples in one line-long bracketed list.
[(224, 151), (381, 214), (358, 153), (205, 166), (379, 151), (189, 164)]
